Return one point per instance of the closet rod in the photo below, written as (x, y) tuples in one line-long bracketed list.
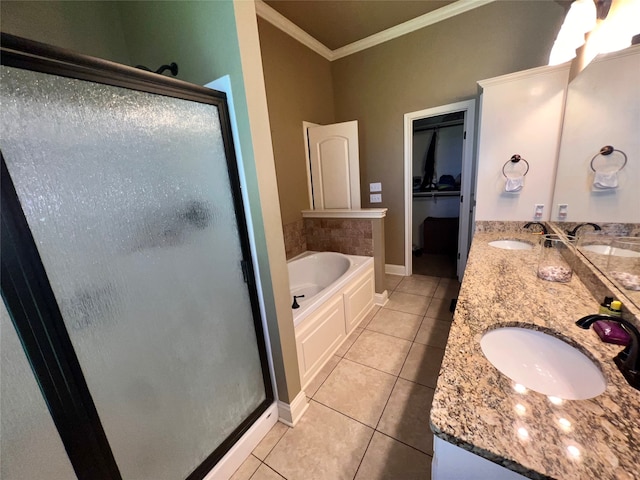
[(439, 125)]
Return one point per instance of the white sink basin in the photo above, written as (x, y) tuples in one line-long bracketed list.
[(511, 245), (543, 363), (608, 250)]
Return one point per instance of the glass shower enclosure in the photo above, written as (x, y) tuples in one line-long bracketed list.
[(126, 272)]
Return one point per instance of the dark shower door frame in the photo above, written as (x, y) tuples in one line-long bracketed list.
[(28, 294)]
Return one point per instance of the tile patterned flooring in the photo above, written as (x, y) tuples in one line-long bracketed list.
[(368, 415)]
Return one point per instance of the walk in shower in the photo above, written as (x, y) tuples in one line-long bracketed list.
[(132, 344)]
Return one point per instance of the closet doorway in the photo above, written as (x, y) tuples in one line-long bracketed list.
[(438, 156)]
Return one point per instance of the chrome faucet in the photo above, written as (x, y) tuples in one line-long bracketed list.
[(627, 360), (580, 225), (544, 229)]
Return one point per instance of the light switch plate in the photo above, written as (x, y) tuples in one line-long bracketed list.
[(375, 187), (562, 211), (375, 198), (537, 212)]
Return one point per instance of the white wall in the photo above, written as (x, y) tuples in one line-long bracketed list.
[(521, 113), (603, 108), (91, 28)]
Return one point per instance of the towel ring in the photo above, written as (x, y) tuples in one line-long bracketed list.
[(515, 159), (608, 150)]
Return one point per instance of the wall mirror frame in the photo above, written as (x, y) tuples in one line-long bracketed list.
[(602, 107)]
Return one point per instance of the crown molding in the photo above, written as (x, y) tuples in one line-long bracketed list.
[(287, 26), (409, 26), (509, 77)]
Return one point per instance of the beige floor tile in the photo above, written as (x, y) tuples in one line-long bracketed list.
[(447, 288), (346, 345), (433, 332), (372, 313), (408, 302), (265, 473), (418, 285), (270, 440), (392, 281), (357, 391), (388, 459), (423, 365), (322, 375), (406, 416), (395, 323), (248, 468), (379, 351), (439, 308), (324, 445)]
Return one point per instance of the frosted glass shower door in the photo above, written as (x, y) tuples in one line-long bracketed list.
[(130, 201)]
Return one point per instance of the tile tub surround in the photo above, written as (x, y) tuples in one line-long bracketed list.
[(295, 240), (476, 407), (349, 236)]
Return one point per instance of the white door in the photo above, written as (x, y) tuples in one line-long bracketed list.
[(466, 200), (335, 165)]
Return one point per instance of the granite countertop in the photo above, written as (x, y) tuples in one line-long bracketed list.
[(476, 407)]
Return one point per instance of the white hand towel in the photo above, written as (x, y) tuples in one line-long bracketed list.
[(605, 180), (514, 184)]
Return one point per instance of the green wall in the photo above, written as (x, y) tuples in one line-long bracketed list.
[(92, 28)]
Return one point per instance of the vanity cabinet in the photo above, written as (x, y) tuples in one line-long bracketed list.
[(454, 463)]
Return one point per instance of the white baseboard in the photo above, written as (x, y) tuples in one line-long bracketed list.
[(381, 299), (290, 413), (395, 269), (243, 448)]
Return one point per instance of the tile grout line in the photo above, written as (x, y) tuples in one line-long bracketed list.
[(343, 414), (274, 446), (323, 382), (392, 388), (364, 454), (406, 444)]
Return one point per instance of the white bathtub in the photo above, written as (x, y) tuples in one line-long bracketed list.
[(338, 293)]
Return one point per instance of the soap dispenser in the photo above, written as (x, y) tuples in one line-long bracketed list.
[(611, 332)]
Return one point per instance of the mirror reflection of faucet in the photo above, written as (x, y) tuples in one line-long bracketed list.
[(295, 301), (580, 225), (544, 228)]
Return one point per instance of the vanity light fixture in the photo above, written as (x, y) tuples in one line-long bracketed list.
[(595, 26), (523, 433), (573, 451), (555, 400), (564, 424), (580, 20), (520, 388)]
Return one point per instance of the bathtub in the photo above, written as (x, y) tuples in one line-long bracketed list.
[(338, 293)]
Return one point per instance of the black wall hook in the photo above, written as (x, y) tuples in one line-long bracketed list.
[(173, 68)]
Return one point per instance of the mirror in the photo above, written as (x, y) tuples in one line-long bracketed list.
[(602, 108)]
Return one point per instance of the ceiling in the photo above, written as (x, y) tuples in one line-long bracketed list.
[(336, 28), (336, 23)]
